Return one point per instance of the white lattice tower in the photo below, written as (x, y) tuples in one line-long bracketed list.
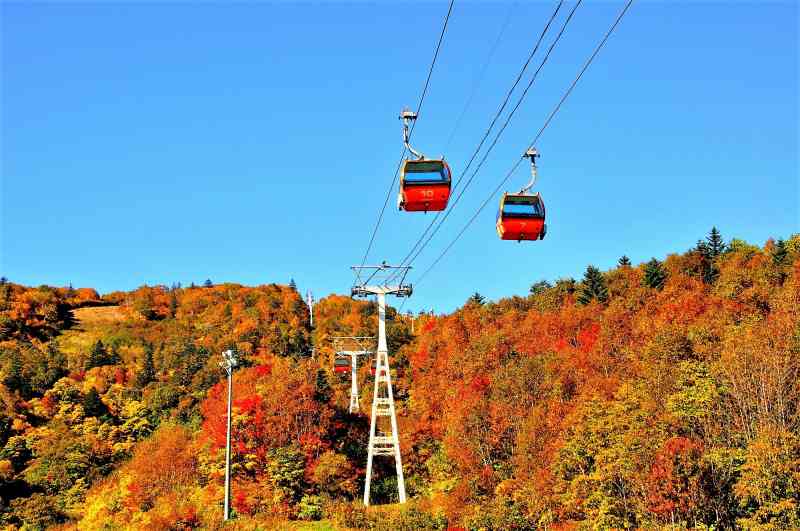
[(310, 303), (362, 349), (383, 439)]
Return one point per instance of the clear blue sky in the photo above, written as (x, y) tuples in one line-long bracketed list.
[(147, 143)]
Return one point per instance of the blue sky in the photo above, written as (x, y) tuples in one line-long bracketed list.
[(253, 143)]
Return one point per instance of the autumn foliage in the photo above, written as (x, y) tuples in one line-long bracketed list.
[(663, 395)]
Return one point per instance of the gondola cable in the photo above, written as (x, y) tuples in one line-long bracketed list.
[(532, 144), (496, 138), (402, 155), (480, 77), (488, 131)]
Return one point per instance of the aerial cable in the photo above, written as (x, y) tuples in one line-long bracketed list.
[(488, 130), (497, 135), (402, 155), (479, 78), (535, 140)]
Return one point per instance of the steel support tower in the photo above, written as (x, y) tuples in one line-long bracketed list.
[(340, 345), (310, 302), (383, 439)]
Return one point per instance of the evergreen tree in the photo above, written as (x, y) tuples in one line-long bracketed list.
[(208, 283), (322, 389), (711, 273), (148, 371), (708, 270), (716, 246), (53, 367), (779, 258), (477, 299), (654, 274), (624, 261), (98, 356), (779, 253), (540, 287), (192, 360), (15, 379), (292, 284), (113, 357), (593, 286), (92, 405)]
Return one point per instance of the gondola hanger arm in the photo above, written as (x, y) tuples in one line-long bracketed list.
[(532, 154), (409, 116)]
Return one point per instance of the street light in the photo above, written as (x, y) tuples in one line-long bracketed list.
[(228, 362)]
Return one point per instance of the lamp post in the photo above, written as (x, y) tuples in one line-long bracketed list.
[(228, 362)]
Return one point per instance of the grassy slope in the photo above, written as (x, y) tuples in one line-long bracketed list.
[(92, 323)]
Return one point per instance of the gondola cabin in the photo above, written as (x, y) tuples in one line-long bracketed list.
[(521, 217), (424, 185), (341, 365)]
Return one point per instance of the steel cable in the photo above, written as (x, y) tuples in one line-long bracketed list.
[(536, 139), (487, 133), (498, 134), (402, 155)]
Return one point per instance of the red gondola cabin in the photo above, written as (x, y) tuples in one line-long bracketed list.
[(424, 185), (341, 365), (521, 217)]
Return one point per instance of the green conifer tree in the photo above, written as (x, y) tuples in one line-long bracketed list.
[(716, 246), (477, 299), (15, 379), (779, 253), (624, 261), (192, 360), (292, 284), (780, 256), (707, 252), (208, 283), (654, 274), (148, 371), (540, 287), (98, 356), (92, 405), (322, 389), (113, 357), (593, 286)]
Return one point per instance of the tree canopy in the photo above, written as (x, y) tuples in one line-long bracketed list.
[(651, 396)]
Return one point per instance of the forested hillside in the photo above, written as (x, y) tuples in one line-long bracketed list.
[(652, 395)]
